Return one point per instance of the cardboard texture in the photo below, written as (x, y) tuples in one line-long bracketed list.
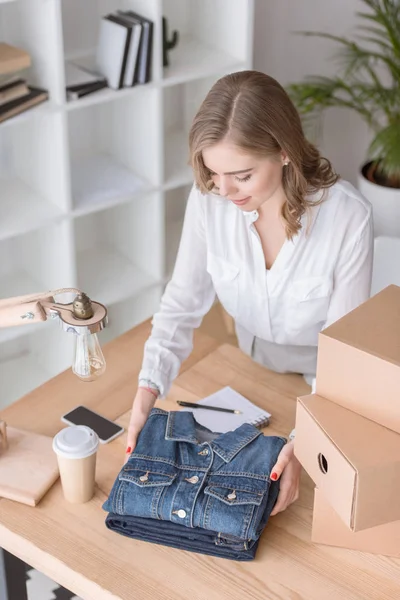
[(353, 461), (329, 529), (28, 466), (358, 363)]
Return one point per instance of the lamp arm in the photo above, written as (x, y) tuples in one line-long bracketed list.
[(34, 308)]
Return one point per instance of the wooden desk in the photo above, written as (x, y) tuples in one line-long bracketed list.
[(71, 544)]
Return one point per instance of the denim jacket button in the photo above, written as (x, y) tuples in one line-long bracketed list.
[(144, 477), (204, 452), (232, 495), (193, 479), (181, 513)]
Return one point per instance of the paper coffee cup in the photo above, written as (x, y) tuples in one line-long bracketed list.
[(76, 448)]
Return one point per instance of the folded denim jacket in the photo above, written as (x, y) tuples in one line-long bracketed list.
[(183, 473)]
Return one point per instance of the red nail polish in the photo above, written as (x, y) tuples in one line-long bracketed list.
[(274, 476), (128, 450)]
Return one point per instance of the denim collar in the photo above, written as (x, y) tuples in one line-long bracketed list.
[(181, 427)]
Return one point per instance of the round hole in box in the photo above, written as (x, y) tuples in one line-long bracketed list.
[(322, 463)]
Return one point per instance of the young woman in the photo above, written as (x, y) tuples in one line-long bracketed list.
[(273, 232)]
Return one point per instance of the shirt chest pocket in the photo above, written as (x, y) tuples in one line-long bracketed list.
[(225, 278), (142, 486), (232, 502), (307, 305)]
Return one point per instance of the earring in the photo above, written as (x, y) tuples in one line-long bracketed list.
[(285, 164)]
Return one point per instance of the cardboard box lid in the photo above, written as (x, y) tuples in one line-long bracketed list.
[(373, 327), (354, 461), (352, 433)]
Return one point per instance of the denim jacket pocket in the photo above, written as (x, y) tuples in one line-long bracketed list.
[(224, 276), (142, 485), (232, 502)]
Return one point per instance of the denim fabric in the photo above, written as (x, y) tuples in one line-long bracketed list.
[(184, 538), (182, 473)]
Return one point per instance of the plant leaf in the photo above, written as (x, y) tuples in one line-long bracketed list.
[(385, 148)]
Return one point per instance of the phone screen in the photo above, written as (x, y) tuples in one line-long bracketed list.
[(104, 428)]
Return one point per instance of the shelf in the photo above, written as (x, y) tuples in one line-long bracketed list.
[(177, 171), (33, 359), (93, 191), (100, 181), (106, 95), (193, 59), (33, 179), (112, 149), (212, 38), (122, 316), (114, 260), (35, 112), (22, 210), (104, 264), (175, 206), (34, 263), (81, 25), (180, 104), (34, 26)]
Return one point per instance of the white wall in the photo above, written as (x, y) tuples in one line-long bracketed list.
[(289, 57)]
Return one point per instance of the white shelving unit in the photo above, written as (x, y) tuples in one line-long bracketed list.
[(93, 191)]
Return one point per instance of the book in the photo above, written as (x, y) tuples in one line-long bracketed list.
[(81, 82), (13, 59), (15, 107), (222, 422), (78, 75), (13, 90), (146, 47), (132, 63), (112, 50), (74, 92)]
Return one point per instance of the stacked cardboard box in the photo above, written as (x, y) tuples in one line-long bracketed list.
[(348, 432)]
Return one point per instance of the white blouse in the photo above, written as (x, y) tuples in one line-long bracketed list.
[(320, 275)]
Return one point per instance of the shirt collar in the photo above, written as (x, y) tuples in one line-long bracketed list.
[(181, 427)]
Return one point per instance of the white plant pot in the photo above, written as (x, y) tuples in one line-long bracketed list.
[(385, 204)]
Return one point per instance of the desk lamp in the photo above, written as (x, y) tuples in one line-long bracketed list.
[(82, 317)]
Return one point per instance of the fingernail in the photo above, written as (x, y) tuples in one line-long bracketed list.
[(274, 476), (128, 450)]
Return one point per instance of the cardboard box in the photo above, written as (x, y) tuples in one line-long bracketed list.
[(358, 363), (329, 529), (352, 460)]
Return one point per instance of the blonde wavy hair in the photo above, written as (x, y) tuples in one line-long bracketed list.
[(255, 113)]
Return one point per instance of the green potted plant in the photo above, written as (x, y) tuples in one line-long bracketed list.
[(369, 83)]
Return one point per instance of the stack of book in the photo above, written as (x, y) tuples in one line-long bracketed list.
[(16, 95), (124, 49)]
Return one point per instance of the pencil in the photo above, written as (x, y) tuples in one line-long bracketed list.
[(195, 405)]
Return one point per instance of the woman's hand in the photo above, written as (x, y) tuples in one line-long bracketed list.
[(288, 469), (141, 408)]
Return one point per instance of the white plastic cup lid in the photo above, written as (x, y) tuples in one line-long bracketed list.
[(75, 441)]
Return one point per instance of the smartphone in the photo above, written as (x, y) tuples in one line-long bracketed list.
[(81, 415)]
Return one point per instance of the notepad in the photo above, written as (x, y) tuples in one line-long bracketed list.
[(222, 422)]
